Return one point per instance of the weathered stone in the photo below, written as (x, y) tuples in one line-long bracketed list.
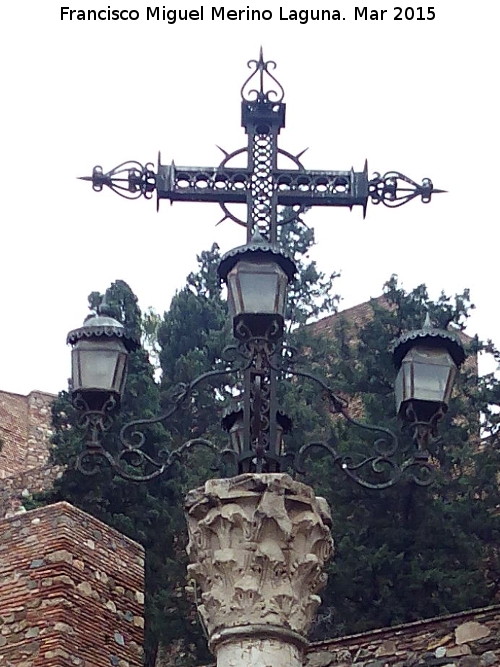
[(440, 641), (258, 543), (361, 654), (320, 659), (471, 631), (342, 657), (119, 639), (458, 651), (30, 649), (256, 652), (64, 627), (469, 661), (85, 588), (62, 555), (386, 648), (489, 659), (32, 632)]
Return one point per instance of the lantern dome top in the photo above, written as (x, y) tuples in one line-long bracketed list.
[(258, 248), (102, 324), (428, 335)]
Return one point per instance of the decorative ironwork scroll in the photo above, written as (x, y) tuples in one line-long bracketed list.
[(265, 187), (256, 360)]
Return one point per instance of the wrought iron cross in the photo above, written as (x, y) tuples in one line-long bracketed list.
[(273, 196), (262, 185)]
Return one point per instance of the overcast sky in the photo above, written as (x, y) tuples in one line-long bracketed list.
[(419, 97)]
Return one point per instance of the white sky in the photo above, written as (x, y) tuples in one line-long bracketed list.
[(419, 97)]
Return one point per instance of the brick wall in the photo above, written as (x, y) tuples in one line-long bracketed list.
[(357, 317), (25, 431), (71, 591)]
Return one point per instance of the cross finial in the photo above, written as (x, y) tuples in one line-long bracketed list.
[(269, 88)]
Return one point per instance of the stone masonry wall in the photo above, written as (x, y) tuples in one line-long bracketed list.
[(466, 639), (71, 591), (25, 432)]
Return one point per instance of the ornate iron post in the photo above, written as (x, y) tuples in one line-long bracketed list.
[(259, 540), (267, 189)]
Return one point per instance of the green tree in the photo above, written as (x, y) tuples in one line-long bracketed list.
[(406, 553), (150, 513)]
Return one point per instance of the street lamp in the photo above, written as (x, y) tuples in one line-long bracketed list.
[(257, 275), (427, 361), (258, 540), (99, 359)]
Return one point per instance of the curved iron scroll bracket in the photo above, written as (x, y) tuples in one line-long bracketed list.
[(132, 458), (382, 466)]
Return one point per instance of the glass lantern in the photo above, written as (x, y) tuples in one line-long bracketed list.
[(428, 361), (99, 360), (257, 276)]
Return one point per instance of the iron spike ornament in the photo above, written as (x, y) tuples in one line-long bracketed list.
[(264, 185), (259, 358)]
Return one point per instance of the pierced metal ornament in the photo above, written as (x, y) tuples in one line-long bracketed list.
[(394, 189), (130, 179), (262, 86)]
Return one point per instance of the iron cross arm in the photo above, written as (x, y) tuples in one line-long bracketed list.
[(263, 185), (230, 185)]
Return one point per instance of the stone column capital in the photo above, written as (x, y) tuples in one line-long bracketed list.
[(258, 544)]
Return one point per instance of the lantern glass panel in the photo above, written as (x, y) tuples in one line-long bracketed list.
[(426, 374), (257, 287), (99, 365), (236, 436)]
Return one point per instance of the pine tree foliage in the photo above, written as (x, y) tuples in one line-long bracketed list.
[(150, 513), (408, 553)]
